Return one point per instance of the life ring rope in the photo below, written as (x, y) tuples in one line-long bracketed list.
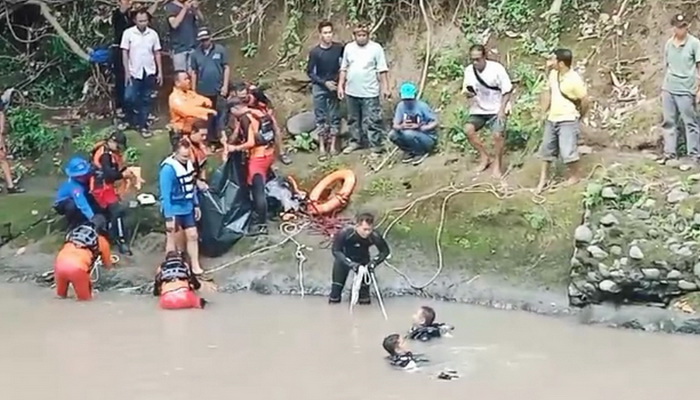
[(320, 205)]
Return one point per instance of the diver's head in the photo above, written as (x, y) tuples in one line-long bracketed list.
[(424, 316), (394, 344), (364, 224)]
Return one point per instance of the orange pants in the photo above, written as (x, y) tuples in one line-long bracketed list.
[(180, 298), (66, 273)]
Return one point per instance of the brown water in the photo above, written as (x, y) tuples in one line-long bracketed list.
[(268, 348)]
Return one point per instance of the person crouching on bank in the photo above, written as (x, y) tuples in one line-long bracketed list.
[(176, 284), (180, 202)]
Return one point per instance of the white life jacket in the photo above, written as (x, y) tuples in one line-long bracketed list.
[(185, 175)]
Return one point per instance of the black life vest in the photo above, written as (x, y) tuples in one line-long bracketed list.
[(265, 134), (425, 333), (174, 269)]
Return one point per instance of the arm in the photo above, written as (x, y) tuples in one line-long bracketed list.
[(344, 64), (82, 203), (194, 67), (110, 172), (152, 9), (311, 68), (2, 122), (165, 181), (250, 138), (175, 19), (431, 122), (203, 101), (159, 60), (125, 46), (184, 110), (398, 117), (506, 86), (157, 282), (581, 93), (227, 72), (383, 70), (194, 282), (546, 97), (105, 253), (337, 249), (382, 246)]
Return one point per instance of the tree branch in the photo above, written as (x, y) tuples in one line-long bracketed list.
[(48, 15)]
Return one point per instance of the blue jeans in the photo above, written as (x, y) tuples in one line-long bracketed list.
[(365, 121), (413, 141), (137, 96), (326, 109)]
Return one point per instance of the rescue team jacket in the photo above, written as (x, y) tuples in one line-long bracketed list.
[(178, 191), (352, 250), (78, 193), (186, 106), (109, 164)]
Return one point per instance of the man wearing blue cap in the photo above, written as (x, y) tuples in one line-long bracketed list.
[(73, 199), (414, 127)]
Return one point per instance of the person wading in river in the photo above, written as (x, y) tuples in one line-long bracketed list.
[(488, 86), (351, 250), (680, 91)]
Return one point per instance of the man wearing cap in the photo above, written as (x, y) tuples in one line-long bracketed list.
[(73, 199), (363, 77), (210, 74), (680, 90), (182, 20), (414, 126), (110, 167)]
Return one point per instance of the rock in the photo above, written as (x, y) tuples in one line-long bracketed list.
[(623, 262), (674, 274), (696, 270), (649, 203), (593, 277), (597, 252), (685, 167), (631, 188), (604, 270), (674, 163), (636, 253), (609, 220), (640, 214), (685, 285), (575, 263), (617, 274), (609, 286), (653, 233), (684, 252), (616, 251), (696, 219), (651, 273), (583, 150), (608, 193), (583, 234), (674, 247), (301, 123), (694, 177), (676, 196)]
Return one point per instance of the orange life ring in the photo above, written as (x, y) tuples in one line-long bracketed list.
[(322, 202)]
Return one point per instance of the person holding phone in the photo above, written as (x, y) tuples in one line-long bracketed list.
[(488, 88), (414, 127)]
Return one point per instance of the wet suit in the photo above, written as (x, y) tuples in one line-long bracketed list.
[(351, 251), (176, 284), (406, 360), (427, 332)]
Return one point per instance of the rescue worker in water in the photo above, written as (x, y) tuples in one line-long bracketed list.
[(175, 283), (351, 250), (108, 159)]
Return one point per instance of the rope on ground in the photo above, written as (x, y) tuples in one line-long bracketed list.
[(302, 258)]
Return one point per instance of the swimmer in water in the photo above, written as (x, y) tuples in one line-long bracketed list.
[(424, 326), (399, 355), (176, 284)]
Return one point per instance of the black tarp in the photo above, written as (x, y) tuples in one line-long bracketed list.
[(226, 208)]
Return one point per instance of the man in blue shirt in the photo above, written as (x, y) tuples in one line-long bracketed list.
[(414, 127), (180, 203), (73, 199)]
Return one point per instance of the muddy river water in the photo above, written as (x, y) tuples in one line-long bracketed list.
[(259, 347)]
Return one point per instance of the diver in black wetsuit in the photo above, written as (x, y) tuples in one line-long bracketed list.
[(424, 326), (399, 355), (351, 250)]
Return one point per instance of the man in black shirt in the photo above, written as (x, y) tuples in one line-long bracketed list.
[(323, 70), (122, 18), (351, 250)]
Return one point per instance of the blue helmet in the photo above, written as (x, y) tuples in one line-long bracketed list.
[(77, 166)]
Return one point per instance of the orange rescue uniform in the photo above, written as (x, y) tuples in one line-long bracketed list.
[(105, 193), (258, 127), (73, 265), (187, 106)]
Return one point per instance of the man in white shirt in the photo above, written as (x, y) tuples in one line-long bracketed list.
[(488, 86), (143, 69), (363, 77)]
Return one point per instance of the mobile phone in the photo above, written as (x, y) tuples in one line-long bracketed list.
[(471, 89)]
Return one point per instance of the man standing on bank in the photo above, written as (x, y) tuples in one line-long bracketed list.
[(323, 70), (363, 77), (565, 100), (182, 19), (680, 91), (351, 250), (489, 87), (210, 74)]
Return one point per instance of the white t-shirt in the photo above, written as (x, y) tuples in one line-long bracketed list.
[(142, 47), (487, 101), (363, 65)]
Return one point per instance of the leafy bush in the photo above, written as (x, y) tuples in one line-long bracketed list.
[(304, 142), (29, 136)]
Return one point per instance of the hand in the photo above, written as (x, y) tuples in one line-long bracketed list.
[(386, 94), (424, 128), (201, 185), (197, 214), (212, 112), (409, 125), (188, 4), (332, 86), (194, 4), (159, 79), (127, 79), (371, 266), (501, 115), (341, 93), (224, 92), (551, 62)]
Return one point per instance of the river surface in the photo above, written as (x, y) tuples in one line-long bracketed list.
[(258, 347)]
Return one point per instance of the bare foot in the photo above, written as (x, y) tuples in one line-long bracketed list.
[(496, 171), (197, 271), (571, 181), (483, 164), (540, 187)]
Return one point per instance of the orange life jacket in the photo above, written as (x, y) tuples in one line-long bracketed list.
[(97, 152), (198, 154)]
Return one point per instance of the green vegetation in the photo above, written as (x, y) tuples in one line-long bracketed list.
[(31, 136)]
